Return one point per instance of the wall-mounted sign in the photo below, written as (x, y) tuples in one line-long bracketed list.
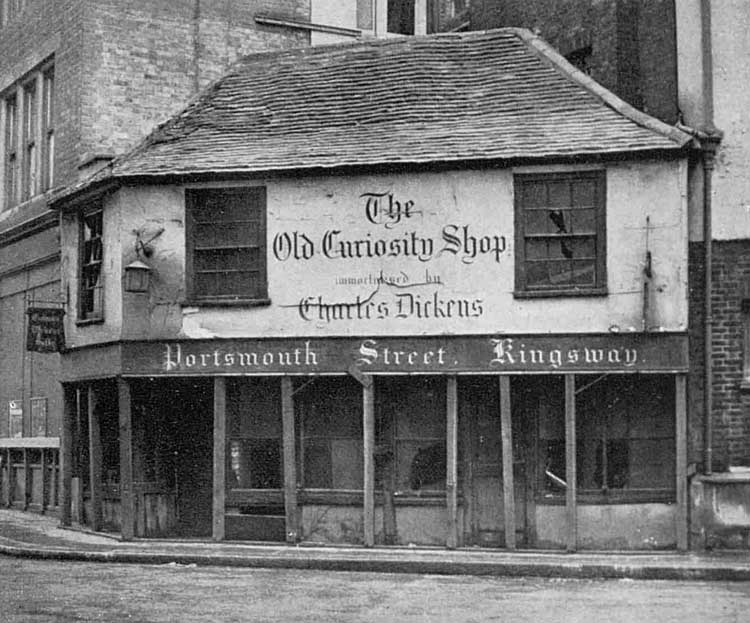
[(477, 354), (45, 332), (15, 418)]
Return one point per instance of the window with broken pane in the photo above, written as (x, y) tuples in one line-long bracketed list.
[(560, 233)]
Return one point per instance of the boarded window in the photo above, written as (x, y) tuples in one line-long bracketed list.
[(560, 234), (226, 244)]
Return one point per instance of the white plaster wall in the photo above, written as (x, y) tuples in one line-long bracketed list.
[(730, 21), (481, 287), (109, 329), (482, 201)]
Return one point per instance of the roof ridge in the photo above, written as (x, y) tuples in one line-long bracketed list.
[(546, 52)]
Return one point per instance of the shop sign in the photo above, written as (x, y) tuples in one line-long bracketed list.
[(477, 354), (45, 331)]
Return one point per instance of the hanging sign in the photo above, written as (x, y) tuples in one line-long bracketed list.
[(45, 332)]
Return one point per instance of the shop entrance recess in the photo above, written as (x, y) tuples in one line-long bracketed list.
[(494, 463)]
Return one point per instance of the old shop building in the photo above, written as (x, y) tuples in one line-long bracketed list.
[(427, 290)]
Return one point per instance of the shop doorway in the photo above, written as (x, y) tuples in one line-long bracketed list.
[(173, 457), (482, 463)]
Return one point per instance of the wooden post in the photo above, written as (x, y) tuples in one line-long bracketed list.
[(46, 454), (27, 479), (451, 461), (66, 455), (95, 460), (368, 441), (290, 460), (506, 431), (8, 499), (220, 445), (571, 507), (681, 515), (127, 502)]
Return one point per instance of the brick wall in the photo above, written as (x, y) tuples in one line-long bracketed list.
[(731, 405), (633, 50), (145, 59)]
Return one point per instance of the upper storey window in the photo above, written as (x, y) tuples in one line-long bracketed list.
[(226, 245), (560, 234), (28, 136)]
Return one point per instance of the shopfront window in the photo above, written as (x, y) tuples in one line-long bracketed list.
[(410, 433), (625, 445), (254, 435), (329, 412)]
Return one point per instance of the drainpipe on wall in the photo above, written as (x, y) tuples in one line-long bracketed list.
[(709, 144)]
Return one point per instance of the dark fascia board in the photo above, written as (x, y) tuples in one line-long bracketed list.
[(87, 194), (98, 189)]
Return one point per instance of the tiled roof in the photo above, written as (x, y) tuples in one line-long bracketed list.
[(501, 94)]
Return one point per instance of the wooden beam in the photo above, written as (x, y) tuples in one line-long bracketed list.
[(506, 432), (681, 515), (95, 460), (368, 441), (451, 461), (220, 445), (66, 455), (127, 501), (290, 460), (571, 507)]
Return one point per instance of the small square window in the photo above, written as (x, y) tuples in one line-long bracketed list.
[(560, 234)]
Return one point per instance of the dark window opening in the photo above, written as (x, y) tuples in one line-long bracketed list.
[(226, 244), (329, 416), (410, 415), (560, 234), (91, 289), (254, 434)]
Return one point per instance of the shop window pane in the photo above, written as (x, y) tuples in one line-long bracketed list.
[(255, 464), (330, 428), (410, 433)]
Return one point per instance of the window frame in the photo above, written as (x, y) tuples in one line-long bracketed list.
[(10, 151), (605, 494), (47, 123), (255, 195), (599, 288), (314, 397), (84, 315), (28, 141), (29, 135)]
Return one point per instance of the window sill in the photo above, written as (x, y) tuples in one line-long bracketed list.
[(87, 321), (234, 302), (538, 294), (745, 386), (633, 496)]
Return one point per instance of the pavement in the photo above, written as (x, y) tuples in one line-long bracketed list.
[(36, 536)]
